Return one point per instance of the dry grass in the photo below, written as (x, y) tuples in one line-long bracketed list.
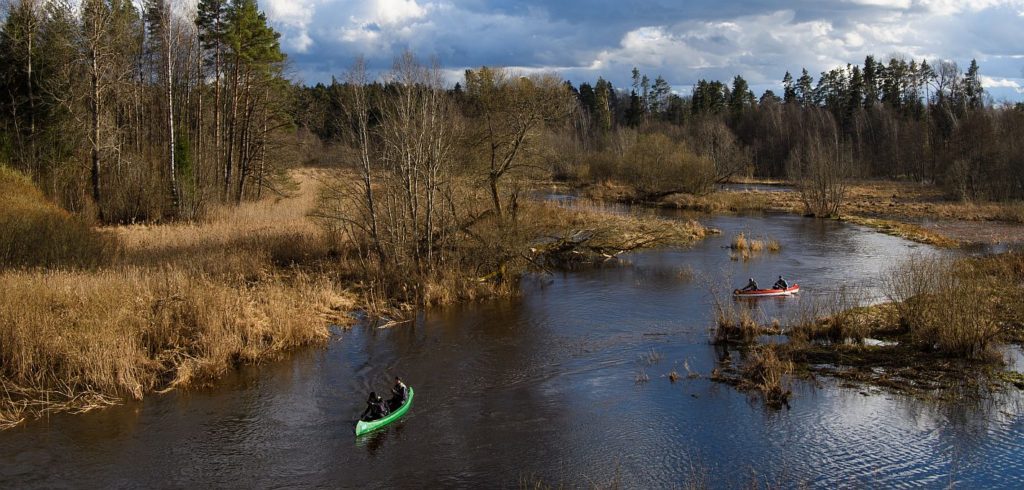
[(948, 305), (906, 231), (735, 323), (36, 233), (181, 305), (747, 248), (70, 337), (767, 372), (719, 202)]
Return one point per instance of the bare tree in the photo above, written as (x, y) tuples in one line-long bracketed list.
[(820, 166), (513, 109)]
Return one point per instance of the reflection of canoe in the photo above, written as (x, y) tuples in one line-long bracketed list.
[(364, 427), (762, 293)]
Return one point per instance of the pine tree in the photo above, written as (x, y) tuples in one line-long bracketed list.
[(741, 98), (788, 90), (870, 81), (973, 91), (603, 105), (804, 93)]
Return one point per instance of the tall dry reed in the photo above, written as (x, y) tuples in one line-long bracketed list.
[(67, 335), (946, 304)]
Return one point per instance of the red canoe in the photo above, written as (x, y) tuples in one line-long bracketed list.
[(761, 293)]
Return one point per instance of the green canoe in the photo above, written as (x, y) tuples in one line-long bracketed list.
[(364, 427)]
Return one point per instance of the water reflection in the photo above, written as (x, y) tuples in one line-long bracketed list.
[(545, 385)]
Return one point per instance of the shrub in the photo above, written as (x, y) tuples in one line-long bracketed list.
[(944, 304), (35, 232)]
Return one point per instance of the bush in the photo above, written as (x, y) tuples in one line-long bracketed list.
[(35, 232), (655, 165), (945, 305)]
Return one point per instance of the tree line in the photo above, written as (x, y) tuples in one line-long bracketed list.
[(142, 113), (900, 119)]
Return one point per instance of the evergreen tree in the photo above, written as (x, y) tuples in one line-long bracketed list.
[(741, 97), (659, 95), (768, 98), (855, 95), (870, 81), (804, 93), (588, 98), (788, 90), (973, 91), (603, 114)]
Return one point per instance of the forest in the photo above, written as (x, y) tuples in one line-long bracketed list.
[(135, 115)]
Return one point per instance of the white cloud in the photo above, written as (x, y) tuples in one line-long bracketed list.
[(688, 41), (989, 82), (396, 11), (953, 7), (896, 4)]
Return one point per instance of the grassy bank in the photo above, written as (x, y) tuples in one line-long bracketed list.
[(893, 208), (941, 335), (113, 313), (91, 316)]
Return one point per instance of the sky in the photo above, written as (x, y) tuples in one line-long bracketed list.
[(681, 40)]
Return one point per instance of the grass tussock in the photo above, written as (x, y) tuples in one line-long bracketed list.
[(36, 233), (764, 369), (735, 323), (719, 202), (745, 248), (767, 372)]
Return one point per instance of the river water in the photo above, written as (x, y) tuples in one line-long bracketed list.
[(544, 387)]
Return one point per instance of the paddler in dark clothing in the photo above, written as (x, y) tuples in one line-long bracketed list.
[(751, 286), (781, 284), (375, 408), (399, 393)]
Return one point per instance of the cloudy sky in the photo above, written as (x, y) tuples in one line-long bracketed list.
[(682, 40)]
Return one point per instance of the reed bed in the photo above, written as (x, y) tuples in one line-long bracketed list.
[(80, 339), (178, 304)]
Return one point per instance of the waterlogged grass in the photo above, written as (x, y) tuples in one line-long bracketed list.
[(906, 231), (941, 335), (743, 247), (73, 340)]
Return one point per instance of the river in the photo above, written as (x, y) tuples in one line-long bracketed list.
[(544, 387)]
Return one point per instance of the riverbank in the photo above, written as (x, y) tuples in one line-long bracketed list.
[(180, 304), (944, 334), (916, 212)]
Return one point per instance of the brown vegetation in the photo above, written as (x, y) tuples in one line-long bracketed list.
[(38, 233), (942, 330), (180, 304)]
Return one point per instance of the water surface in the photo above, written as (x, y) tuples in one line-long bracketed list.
[(543, 386)]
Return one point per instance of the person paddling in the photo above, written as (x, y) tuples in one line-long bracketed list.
[(781, 284), (751, 286), (375, 408), (399, 393)]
